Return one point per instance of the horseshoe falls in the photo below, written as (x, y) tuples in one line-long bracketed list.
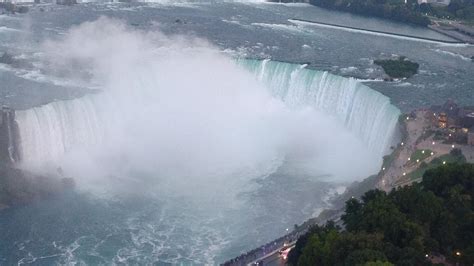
[(190, 150), (241, 189), (364, 111), (48, 131), (51, 130)]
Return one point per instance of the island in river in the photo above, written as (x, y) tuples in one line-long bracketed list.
[(398, 68)]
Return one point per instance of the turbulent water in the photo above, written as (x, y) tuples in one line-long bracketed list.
[(153, 231), (365, 112), (191, 156), (47, 132)]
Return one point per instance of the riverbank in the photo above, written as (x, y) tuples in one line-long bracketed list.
[(455, 30), (420, 148), (270, 251), (407, 226), (367, 31), (19, 187), (396, 11)]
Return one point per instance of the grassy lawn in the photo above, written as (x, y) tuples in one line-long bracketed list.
[(448, 158), (388, 159), (420, 155)]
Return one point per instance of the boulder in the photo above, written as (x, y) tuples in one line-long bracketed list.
[(7, 59), (66, 2)]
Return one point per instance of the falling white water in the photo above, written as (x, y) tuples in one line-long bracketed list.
[(50, 131), (365, 112), (186, 115)]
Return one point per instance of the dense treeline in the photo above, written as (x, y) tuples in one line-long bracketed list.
[(390, 9), (461, 9), (433, 218)]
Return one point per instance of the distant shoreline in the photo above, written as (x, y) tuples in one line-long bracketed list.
[(385, 33)]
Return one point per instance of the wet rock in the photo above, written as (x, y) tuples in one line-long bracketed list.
[(7, 59), (10, 60), (66, 2), (22, 9), (19, 187), (179, 21), (12, 8)]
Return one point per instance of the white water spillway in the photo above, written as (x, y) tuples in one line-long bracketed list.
[(50, 131), (365, 112), (187, 117)]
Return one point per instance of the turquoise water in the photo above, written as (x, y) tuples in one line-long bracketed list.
[(157, 227), (259, 30)]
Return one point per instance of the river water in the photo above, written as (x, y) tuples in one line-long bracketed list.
[(154, 225)]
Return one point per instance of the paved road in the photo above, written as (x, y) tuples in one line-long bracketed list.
[(267, 254), (274, 258)]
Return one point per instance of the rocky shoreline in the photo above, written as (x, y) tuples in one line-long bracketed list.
[(417, 131), (19, 187)]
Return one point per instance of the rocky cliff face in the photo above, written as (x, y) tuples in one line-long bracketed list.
[(9, 137), (18, 186)]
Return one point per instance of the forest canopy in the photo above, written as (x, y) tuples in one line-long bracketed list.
[(412, 225)]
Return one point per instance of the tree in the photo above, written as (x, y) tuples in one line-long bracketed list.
[(400, 227)]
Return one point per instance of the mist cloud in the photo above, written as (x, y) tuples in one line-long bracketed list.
[(178, 116)]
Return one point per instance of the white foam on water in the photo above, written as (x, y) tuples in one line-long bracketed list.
[(179, 120), (456, 55), (408, 38)]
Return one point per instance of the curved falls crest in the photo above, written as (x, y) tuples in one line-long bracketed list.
[(51, 130), (365, 112)]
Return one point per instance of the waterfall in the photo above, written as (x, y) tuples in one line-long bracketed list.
[(51, 130), (10, 148), (364, 111)]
